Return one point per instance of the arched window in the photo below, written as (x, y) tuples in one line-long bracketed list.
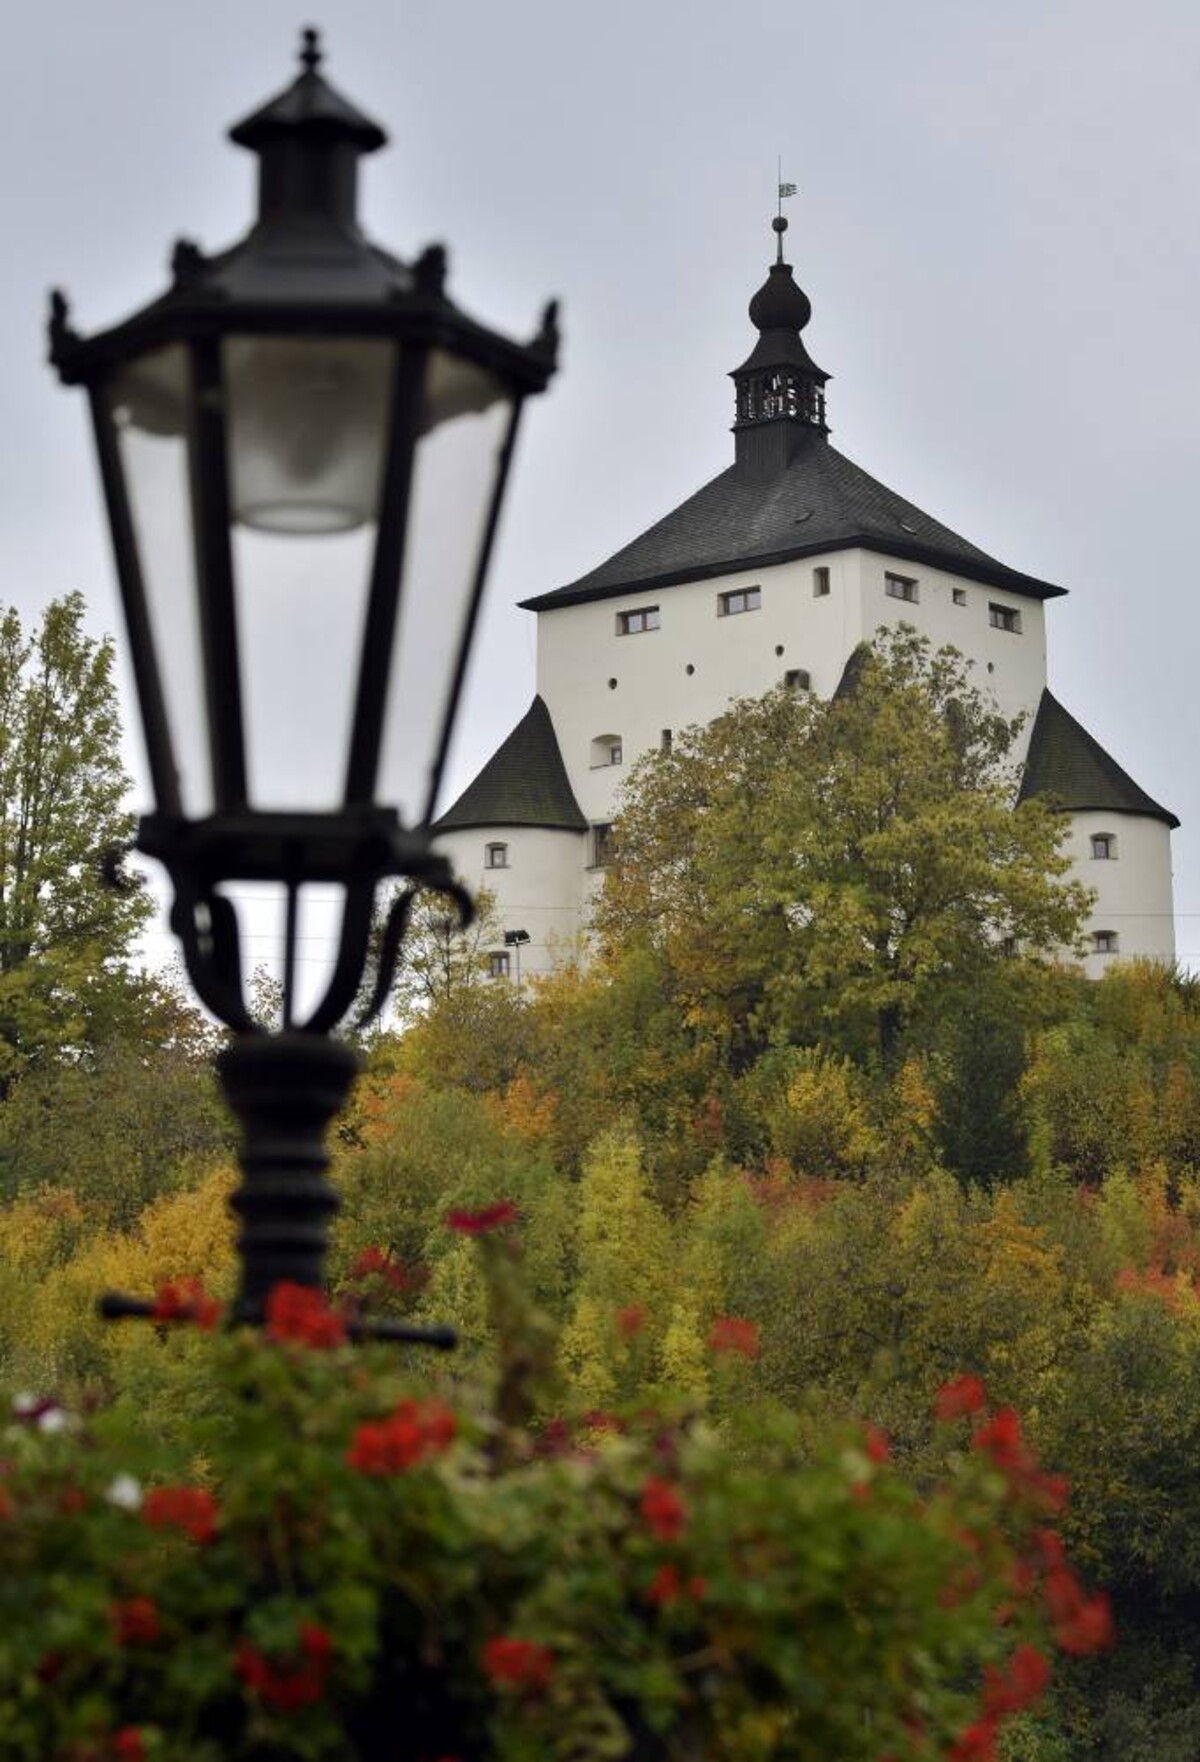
[(607, 749), (1104, 847), (495, 856)]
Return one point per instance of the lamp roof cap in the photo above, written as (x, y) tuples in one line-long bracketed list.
[(309, 105)]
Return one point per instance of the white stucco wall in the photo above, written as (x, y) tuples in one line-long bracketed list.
[(1134, 893), (1009, 666), (539, 889), (580, 650)]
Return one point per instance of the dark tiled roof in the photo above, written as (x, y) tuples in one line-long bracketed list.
[(524, 783), (821, 501), (1066, 762)]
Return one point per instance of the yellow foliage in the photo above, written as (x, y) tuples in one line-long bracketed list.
[(825, 1127), (524, 1111), (683, 1357)]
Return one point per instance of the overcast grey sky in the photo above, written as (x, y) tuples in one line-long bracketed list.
[(996, 225)]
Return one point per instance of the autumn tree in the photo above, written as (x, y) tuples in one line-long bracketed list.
[(65, 934), (833, 870)]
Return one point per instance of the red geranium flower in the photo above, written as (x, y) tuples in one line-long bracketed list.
[(1023, 1683), (517, 1664), (662, 1508), (299, 1315), (878, 1444), (297, 1683), (478, 1223), (977, 1743), (960, 1396), (416, 1429), (1082, 1624), (128, 1744), (185, 1300), (730, 1333), (186, 1508), (135, 1621)]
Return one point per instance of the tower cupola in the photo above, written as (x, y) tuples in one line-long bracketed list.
[(780, 388)]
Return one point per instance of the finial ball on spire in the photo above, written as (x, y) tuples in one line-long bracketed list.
[(779, 224), (310, 52)]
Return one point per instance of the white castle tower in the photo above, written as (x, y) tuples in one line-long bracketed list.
[(777, 570)]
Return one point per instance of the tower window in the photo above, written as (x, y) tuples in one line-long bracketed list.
[(900, 587), (798, 678), (960, 596), (602, 845), (820, 583), (495, 856), (498, 964), (1104, 846), (1004, 618), (665, 741), (607, 749), (1104, 942), (633, 623), (742, 599)]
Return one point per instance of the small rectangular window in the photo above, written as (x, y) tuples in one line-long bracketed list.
[(798, 678), (498, 964), (820, 583), (602, 845), (615, 755), (495, 856), (1004, 618), (1104, 942), (900, 587), (1104, 846), (665, 741), (960, 596), (742, 599), (633, 623)]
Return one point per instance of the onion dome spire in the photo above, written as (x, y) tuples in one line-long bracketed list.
[(780, 388)]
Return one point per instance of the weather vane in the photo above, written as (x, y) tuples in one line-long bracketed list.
[(779, 224)]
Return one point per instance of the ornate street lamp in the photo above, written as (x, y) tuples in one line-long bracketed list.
[(303, 445)]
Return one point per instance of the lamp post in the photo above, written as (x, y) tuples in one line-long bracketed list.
[(515, 939), (303, 445)]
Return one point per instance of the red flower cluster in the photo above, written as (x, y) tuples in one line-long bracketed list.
[(298, 1315), (960, 1396), (128, 1745), (1082, 1624), (416, 1430), (517, 1664), (631, 1320), (1000, 1438), (300, 1682), (135, 1621), (1012, 1690), (377, 1263), (666, 1587), (478, 1223), (186, 1508), (185, 1300), (877, 1444), (663, 1511), (730, 1333)]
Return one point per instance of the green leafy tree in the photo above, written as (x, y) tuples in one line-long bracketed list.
[(838, 869), (65, 934)]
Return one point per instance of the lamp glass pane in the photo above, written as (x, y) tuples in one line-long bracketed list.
[(307, 419), (302, 567), (148, 407), (467, 412)]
